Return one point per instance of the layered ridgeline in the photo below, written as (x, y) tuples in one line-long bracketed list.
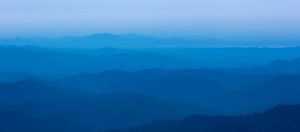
[(43, 90), (44, 61), (120, 99), (226, 91), (65, 109), (283, 118), (48, 62)]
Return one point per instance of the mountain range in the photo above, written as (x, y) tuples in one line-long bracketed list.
[(65, 62), (224, 90), (74, 90)]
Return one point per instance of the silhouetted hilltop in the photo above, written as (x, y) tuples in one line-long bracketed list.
[(279, 119)]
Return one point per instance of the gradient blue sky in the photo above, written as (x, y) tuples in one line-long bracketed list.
[(205, 18)]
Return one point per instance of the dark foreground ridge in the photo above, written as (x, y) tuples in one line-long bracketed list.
[(284, 118)]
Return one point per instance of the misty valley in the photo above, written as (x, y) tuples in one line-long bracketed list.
[(53, 88)]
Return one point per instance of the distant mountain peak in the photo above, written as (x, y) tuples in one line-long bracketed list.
[(102, 35)]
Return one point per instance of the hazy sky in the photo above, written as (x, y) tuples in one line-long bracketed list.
[(154, 17)]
